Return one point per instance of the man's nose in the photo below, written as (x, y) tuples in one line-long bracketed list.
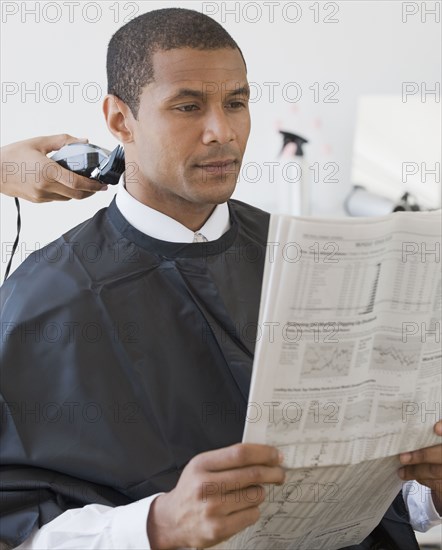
[(217, 127)]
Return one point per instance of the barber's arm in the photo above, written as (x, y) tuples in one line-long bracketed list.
[(27, 173)]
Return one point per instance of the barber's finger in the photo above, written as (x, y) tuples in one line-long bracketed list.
[(46, 144), (60, 198), (61, 192), (80, 183), (79, 195), (47, 197), (56, 173)]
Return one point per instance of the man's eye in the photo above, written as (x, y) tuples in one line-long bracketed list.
[(237, 104), (187, 108)]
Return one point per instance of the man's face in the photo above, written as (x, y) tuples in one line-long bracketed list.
[(195, 113)]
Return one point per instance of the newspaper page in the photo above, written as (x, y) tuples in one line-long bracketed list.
[(347, 372)]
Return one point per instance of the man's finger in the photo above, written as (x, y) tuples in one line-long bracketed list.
[(430, 455), (226, 503), (239, 455), (239, 520), (241, 478), (421, 472)]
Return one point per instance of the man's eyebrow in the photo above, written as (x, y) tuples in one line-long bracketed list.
[(199, 94), (244, 90)]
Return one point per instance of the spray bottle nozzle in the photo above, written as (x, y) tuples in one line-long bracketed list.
[(293, 138)]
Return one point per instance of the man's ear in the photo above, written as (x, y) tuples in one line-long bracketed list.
[(119, 118)]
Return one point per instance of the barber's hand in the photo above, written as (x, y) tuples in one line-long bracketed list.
[(425, 466), (27, 172), (211, 501)]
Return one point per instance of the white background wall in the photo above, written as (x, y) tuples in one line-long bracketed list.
[(372, 47)]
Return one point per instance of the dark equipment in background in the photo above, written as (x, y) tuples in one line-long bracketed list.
[(361, 202), (299, 141), (304, 190)]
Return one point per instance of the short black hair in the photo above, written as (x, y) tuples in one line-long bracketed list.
[(131, 48)]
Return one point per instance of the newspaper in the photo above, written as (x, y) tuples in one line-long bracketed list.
[(347, 372)]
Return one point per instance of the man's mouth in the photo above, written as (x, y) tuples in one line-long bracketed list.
[(220, 166)]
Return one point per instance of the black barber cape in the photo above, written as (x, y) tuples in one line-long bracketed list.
[(124, 356)]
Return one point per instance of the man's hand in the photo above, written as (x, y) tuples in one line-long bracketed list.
[(217, 495), (425, 466), (27, 172)]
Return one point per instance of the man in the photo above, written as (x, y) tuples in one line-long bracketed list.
[(124, 335)]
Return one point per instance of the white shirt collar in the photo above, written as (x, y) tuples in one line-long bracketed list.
[(160, 226)]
